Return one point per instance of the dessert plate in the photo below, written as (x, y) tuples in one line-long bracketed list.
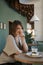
[(29, 54)]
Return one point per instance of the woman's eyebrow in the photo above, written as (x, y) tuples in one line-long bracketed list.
[(18, 28)]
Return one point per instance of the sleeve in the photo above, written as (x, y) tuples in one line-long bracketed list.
[(11, 47)]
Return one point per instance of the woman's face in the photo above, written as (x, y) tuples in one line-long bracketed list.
[(18, 30)]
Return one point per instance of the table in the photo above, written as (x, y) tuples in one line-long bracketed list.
[(30, 60)]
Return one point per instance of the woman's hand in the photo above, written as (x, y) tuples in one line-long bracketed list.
[(21, 33), (22, 36), (18, 52)]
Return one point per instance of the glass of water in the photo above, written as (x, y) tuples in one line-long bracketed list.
[(34, 49)]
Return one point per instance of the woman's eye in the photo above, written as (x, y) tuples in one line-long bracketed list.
[(17, 28)]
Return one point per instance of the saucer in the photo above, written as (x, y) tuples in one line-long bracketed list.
[(34, 55)]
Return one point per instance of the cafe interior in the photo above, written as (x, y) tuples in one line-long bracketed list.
[(30, 13)]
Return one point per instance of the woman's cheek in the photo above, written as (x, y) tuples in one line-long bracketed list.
[(17, 32)]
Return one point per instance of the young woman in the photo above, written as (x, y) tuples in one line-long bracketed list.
[(15, 44)]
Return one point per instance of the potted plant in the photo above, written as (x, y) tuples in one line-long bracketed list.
[(28, 37)]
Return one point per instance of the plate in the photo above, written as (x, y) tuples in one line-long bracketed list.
[(29, 54)]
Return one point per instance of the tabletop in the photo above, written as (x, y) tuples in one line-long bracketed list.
[(26, 59)]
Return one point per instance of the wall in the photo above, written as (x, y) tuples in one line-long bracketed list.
[(7, 14), (38, 25), (42, 17)]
